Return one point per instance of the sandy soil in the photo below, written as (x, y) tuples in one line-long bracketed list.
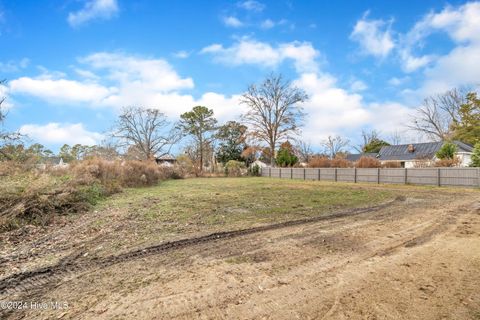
[(416, 259)]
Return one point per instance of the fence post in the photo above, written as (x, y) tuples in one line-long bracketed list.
[(291, 173), (406, 180), (319, 175), (280, 173), (478, 175), (335, 174), (378, 175), (438, 178), (355, 175), (270, 172)]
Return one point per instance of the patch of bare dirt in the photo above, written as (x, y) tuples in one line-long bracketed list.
[(415, 259)]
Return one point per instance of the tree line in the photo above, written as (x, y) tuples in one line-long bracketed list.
[(264, 132)]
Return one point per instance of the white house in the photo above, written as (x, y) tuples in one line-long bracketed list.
[(417, 154)]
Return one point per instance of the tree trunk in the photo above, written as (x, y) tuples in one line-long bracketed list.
[(272, 155), (201, 155)]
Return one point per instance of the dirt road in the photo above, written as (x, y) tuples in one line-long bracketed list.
[(413, 259)]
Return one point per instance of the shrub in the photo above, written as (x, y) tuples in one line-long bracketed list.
[(447, 162), (38, 198), (476, 156), (319, 162), (368, 162), (391, 164), (324, 162), (338, 162), (254, 170), (447, 151), (234, 168), (286, 158)]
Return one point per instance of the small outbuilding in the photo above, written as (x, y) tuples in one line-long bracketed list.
[(166, 160)]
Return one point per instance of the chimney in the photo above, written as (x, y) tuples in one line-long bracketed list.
[(411, 148)]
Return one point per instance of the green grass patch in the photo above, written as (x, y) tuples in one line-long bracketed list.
[(241, 201)]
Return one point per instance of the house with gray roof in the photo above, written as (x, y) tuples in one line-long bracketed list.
[(416, 154)]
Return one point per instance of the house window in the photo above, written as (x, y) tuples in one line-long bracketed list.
[(402, 164)]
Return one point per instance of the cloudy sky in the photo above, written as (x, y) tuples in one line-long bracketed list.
[(71, 65)]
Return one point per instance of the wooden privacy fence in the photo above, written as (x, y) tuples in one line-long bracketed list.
[(464, 177)]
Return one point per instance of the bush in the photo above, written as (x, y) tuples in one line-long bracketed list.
[(38, 198), (234, 168), (286, 158), (319, 162), (447, 162), (391, 164), (368, 162), (338, 162), (324, 162), (254, 170), (476, 156), (447, 151)]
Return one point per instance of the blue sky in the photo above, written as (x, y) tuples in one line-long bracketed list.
[(72, 65)]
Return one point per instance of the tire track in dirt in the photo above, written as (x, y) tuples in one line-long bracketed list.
[(41, 277)]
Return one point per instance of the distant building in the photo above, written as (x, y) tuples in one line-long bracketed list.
[(259, 163), (416, 154), (166, 160)]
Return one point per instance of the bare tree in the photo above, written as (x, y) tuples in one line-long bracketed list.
[(367, 138), (6, 137), (304, 151), (274, 112), (148, 130), (334, 145), (437, 114), (396, 137)]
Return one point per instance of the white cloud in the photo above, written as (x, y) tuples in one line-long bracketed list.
[(459, 67), (462, 24), (60, 133), (333, 110), (137, 72), (60, 90), (411, 63), (330, 109), (86, 74), (373, 36), (182, 54), (358, 85), (398, 81), (267, 24), (14, 66), (233, 22), (93, 9), (251, 5), (249, 51)]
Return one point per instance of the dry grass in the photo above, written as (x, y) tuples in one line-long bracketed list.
[(33, 196)]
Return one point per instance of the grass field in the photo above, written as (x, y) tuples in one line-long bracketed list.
[(108, 266), (239, 201)]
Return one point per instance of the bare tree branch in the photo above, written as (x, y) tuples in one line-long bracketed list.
[(438, 113)]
